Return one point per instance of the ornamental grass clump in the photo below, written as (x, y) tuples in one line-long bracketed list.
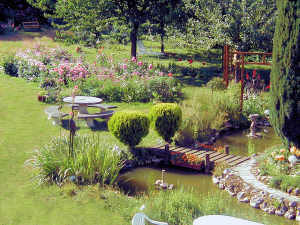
[(129, 127), (166, 119), (92, 161)]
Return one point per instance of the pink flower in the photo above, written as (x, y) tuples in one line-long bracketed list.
[(76, 87), (124, 66), (140, 63), (190, 61), (60, 80), (70, 113), (150, 67), (133, 59), (170, 74)]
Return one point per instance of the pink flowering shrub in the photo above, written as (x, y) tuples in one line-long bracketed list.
[(131, 80)]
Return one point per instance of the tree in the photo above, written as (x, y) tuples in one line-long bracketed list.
[(166, 13), (97, 15), (246, 24), (285, 77)]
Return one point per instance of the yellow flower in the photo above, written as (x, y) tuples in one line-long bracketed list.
[(293, 150)]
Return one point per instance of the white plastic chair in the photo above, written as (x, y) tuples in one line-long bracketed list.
[(141, 218)]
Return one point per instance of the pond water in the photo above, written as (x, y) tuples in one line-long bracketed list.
[(238, 141), (142, 179)]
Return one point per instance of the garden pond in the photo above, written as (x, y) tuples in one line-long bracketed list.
[(142, 179)]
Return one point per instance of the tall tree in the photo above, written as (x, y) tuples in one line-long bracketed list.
[(135, 12), (285, 75), (244, 23), (166, 13), (81, 15)]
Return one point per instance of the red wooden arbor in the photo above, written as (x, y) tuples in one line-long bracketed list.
[(234, 64)]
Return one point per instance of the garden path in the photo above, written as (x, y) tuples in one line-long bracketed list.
[(244, 171)]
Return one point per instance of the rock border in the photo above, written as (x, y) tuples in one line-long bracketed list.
[(266, 180), (275, 203)]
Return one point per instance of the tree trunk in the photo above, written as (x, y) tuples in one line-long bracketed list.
[(162, 35), (133, 38), (285, 85)]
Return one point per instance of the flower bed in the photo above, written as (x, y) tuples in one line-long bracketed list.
[(186, 160), (129, 80), (280, 168)]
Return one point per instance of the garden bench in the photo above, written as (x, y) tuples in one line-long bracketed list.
[(103, 115), (33, 25), (55, 114), (103, 107), (141, 218)]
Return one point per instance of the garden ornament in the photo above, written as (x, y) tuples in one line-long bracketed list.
[(253, 128)]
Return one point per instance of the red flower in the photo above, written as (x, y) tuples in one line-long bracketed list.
[(180, 59), (268, 87), (247, 76), (190, 61), (170, 74), (253, 74)]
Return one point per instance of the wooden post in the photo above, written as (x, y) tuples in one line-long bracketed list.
[(227, 149), (207, 163), (225, 65), (167, 147), (242, 83)]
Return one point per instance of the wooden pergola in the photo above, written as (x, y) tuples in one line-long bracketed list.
[(234, 62)]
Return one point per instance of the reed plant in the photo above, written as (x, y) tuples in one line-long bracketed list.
[(93, 160)]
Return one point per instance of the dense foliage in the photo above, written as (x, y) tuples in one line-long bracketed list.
[(246, 24), (129, 127), (166, 119), (285, 77)]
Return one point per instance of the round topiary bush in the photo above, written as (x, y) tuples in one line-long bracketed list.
[(129, 127), (166, 119)]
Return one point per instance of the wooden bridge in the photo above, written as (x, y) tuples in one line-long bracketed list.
[(211, 155)]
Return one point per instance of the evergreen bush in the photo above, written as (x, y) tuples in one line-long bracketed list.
[(129, 127), (10, 66), (285, 83), (166, 119)]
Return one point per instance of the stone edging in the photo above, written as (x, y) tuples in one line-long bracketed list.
[(241, 183)]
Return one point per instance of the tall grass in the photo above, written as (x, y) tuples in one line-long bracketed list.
[(92, 161), (180, 206), (206, 111)]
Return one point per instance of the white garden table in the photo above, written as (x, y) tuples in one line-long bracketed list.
[(83, 102), (222, 220)]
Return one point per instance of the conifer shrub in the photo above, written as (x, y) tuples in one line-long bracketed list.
[(285, 85), (129, 127), (166, 119), (10, 65)]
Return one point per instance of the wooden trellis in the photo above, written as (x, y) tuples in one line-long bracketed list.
[(234, 64)]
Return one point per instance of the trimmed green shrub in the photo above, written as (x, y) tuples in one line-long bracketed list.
[(10, 66), (285, 85), (129, 127), (166, 119)]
